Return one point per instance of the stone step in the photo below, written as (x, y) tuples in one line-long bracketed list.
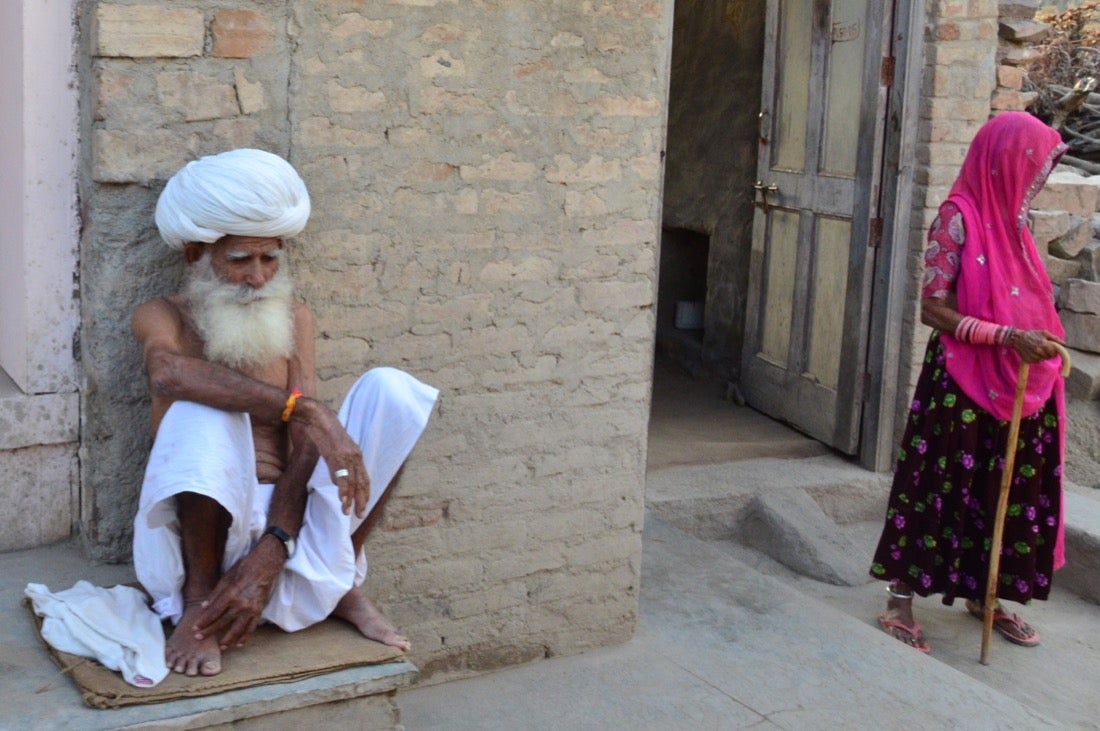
[(37, 696)]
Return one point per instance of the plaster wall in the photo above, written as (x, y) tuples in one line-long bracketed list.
[(39, 409), (713, 132), (486, 182)]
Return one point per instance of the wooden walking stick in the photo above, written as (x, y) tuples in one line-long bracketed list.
[(1002, 501)]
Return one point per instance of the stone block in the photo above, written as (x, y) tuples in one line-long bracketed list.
[(1084, 379), (1074, 240), (37, 495), (149, 31), (1022, 31), (1082, 330), (1011, 77), (790, 527), (1018, 9), (1089, 259), (241, 34), (1069, 192), (1077, 295), (1046, 226), (1018, 56), (1081, 574), (1059, 270)]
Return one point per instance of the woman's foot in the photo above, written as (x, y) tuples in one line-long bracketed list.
[(354, 607), (897, 621), (187, 655), (1010, 626)]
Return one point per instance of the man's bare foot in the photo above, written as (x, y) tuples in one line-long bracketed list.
[(354, 607), (187, 655)]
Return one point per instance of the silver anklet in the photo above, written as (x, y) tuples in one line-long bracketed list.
[(897, 594)]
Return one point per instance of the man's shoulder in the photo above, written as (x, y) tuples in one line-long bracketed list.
[(159, 310)]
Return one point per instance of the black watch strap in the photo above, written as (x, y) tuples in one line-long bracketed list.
[(282, 535)]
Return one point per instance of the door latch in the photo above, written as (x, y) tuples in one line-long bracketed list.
[(762, 204)]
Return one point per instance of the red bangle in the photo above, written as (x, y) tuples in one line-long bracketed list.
[(291, 402)]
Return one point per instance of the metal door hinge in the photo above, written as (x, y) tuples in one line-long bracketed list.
[(887, 74), (874, 237)]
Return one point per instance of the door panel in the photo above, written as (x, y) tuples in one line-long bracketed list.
[(780, 282), (810, 270)]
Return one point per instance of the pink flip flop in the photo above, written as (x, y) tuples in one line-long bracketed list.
[(914, 632), (1010, 626)]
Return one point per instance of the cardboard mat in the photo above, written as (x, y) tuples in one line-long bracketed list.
[(272, 656)]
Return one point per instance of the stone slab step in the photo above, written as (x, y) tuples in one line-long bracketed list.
[(37, 696)]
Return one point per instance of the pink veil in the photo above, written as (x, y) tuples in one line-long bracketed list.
[(1002, 277)]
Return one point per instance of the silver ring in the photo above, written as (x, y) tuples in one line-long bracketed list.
[(341, 473)]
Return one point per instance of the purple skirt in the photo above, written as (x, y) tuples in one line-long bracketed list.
[(939, 522)]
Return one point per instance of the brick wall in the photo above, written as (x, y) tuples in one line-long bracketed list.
[(960, 74), (486, 184)]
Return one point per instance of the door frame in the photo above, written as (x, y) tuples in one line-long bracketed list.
[(889, 296)]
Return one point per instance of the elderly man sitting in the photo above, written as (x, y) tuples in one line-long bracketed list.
[(246, 510)]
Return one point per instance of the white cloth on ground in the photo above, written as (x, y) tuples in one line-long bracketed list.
[(245, 192), (113, 626), (210, 452)]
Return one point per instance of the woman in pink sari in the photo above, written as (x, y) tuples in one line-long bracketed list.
[(987, 296)]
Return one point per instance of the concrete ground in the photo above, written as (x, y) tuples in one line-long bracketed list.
[(729, 637), (731, 633)]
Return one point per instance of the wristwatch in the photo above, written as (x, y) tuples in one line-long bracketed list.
[(288, 543)]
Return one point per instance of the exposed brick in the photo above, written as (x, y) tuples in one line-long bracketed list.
[(241, 33), (506, 167), (132, 156), (443, 33), (1011, 77), (347, 99), (627, 107), (149, 31), (250, 95), (948, 32), (196, 96), (112, 89), (442, 63), (1007, 100), (353, 25)]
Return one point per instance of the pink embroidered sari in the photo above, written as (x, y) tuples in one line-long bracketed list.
[(1002, 277)]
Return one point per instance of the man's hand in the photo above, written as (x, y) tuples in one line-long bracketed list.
[(233, 608), (341, 453)]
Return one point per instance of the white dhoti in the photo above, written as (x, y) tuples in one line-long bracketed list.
[(207, 451)]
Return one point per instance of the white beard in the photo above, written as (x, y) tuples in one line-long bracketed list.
[(241, 326)]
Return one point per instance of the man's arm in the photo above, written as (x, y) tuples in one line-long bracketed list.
[(176, 376)]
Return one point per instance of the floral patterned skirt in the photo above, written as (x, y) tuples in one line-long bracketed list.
[(939, 522)]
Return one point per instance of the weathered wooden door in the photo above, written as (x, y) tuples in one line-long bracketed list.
[(821, 131)]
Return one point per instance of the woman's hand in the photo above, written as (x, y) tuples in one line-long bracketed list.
[(1035, 345)]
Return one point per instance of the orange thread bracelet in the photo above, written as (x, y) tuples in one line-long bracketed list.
[(291, 402)]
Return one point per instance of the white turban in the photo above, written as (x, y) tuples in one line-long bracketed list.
[(244, 192)]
